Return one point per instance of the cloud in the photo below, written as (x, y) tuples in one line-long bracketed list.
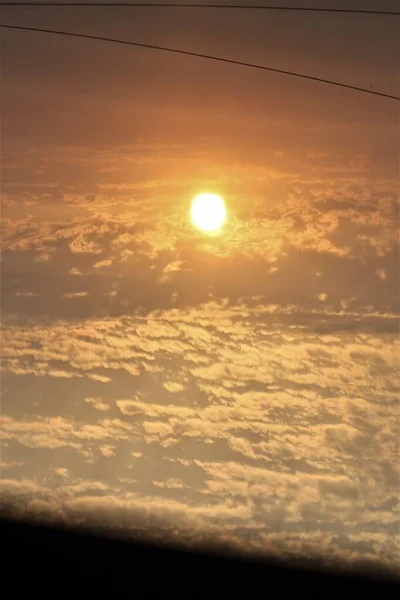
[(62, 471), (381, 273), (102, 264), (75, 295), (107, 451), (242, 387), (281, 434), (98, 404), (173, 386), (242, 446)]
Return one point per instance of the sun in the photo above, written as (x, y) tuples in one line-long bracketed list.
[(208, 212)]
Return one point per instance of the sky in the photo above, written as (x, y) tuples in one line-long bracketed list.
[(240, 388)]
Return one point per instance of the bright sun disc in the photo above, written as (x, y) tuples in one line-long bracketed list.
[(208, 212)]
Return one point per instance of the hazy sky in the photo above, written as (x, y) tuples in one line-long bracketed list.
[(241, 387)]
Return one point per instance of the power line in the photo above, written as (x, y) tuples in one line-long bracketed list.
[(201, 5), (199, 55)]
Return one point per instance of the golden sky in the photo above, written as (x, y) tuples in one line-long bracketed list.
[(240, 387)]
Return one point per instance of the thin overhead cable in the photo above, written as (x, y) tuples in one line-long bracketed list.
[(201, 5), (199, 55)]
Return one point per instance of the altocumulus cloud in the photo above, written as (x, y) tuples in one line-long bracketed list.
[(244, 423), (242, 388)]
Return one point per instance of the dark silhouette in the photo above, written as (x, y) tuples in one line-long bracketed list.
[(40, 558)]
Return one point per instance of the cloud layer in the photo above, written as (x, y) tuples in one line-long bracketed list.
[(241, 387)]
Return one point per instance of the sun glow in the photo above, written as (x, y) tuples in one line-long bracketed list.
[(208, 212)]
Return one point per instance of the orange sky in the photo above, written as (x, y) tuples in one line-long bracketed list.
[(242, 386)]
